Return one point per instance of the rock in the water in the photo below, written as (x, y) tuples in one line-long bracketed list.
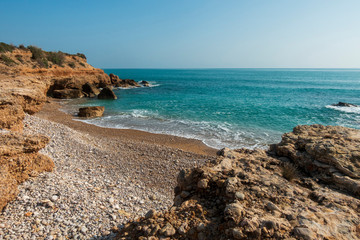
[(95, 111), (344, 104), (145, 83), (68, 93), (126, 83), (90, 90), (107, 93), (114, 78)]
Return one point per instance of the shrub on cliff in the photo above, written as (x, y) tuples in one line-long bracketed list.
[(8, 61), (6, 47), (81, 55), (39, 56), (56, 57)]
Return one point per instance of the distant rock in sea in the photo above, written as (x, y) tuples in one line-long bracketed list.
[(344, 104)]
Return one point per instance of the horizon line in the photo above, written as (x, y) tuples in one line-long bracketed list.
[(357, 68)]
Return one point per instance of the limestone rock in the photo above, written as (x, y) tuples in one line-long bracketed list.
[(90, 90), (19, 159), (273, 208), (68, 93), (107, 93), (95, 111), (328, 153), (126, 83)]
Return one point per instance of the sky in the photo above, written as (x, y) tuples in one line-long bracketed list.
[(190, 33)]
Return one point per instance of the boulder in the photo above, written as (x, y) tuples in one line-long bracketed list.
[(145, 83), (344, 104), (90, 90), (96, 111), (68, 93), (107, 93)]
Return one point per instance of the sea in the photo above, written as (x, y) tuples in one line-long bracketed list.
[(232, 108)]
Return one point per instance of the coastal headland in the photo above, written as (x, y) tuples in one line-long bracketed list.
[(65, 179)]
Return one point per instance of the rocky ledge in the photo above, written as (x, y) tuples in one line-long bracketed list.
[(19, 159), (305, 187)]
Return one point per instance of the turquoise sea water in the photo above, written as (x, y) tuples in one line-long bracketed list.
[(231, 107)]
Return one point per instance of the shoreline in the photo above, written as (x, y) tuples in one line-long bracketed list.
[(51, 111)]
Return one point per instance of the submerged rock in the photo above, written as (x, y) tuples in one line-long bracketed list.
[(96, 111)]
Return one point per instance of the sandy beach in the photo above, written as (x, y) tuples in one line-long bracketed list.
[(102, 178)]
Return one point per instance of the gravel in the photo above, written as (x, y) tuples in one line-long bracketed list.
[(97, 185)]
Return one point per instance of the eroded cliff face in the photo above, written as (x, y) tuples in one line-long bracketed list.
[(26, 78), (290, 192)]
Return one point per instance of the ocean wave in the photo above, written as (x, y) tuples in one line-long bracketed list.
[(213, 134), (355, 110)]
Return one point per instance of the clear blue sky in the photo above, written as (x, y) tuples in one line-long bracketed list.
[(190, 33)]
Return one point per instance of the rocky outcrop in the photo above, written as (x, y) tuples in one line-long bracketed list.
[(27, 76), (331, 154), (68, 93), (19, 159), (145, 83), (123, 83), (107, 93), (247, 194), (344, 104), (96, 111), (90, 90)]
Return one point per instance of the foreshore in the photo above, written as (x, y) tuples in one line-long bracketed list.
[(51, 111), (102, 178)]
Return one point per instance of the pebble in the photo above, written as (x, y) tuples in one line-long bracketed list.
[(85, 189)]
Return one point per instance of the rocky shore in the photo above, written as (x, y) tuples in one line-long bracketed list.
[(64, 179)]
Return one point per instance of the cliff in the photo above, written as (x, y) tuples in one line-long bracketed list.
[(305, 187), (27, 77)]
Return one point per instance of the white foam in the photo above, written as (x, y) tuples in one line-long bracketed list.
[(345, 109)]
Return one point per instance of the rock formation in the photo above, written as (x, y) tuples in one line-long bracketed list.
[(248, 194), (344, 104), (27, 75), (107, 93), (19, 159), (145, 83), (96, 111)]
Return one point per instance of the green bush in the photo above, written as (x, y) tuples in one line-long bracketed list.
[(39, 56), (37, 53), (6, 47), (22, 47), (82, 64), (56, 57), (8, 61), (71, 64), (81, 55), (19, 58)]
